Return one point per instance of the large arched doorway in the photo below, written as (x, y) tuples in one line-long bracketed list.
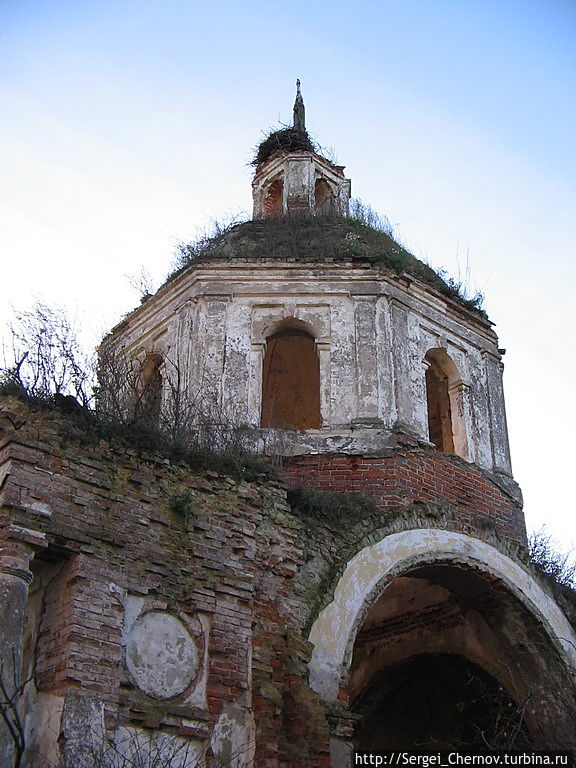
[(434, 665), (431, 621), (291, 381)]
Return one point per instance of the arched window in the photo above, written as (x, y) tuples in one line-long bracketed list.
[(323, 199), (150, 394), (444, 397), (273, 204), (291, 381)]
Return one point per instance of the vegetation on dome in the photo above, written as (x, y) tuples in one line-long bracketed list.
[(362, 237), (285, 140)]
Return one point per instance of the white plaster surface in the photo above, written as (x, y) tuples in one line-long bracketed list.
[(42, 727), (161, 655), (233, 739), (334, 630), (372, 331)]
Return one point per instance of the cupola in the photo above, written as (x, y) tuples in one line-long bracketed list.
[(292, 177)]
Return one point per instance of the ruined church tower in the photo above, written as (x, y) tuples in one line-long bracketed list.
[(376, 594)]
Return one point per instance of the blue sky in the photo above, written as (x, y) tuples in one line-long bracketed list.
[(127, 124)]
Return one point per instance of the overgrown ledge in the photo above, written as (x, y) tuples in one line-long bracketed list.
[(319, 239)]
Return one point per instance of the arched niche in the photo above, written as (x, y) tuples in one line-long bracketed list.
[(445, 400), (150, 386), (291, 380), (273, 200), (324, 203)]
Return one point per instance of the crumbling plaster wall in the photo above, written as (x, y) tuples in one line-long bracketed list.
[(372, 333)]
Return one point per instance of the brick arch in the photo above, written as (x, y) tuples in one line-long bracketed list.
[(273, 204), (367, 574)]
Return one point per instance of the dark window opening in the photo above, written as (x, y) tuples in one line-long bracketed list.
[(439, 410), (324, 199), (150, 397), (273, 204)]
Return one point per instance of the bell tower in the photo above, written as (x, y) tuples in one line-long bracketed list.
[(292, 177)]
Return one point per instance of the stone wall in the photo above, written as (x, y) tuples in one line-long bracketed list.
[(173, 607), (168, 603)]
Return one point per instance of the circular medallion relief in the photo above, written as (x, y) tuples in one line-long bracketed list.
[(161, 655)]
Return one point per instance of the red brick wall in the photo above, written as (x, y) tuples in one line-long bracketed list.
[(419, 477), (106, 511)]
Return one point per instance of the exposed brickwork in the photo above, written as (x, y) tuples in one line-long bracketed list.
[(256, 571), (56, 632), (109, 521), (408, 478)]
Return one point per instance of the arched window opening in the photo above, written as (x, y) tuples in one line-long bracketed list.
[(150, 394), (291, 381), (439, 411), (448, 404), (273, 204), (324, 204)]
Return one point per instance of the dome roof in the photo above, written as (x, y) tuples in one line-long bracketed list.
[(319, 239)]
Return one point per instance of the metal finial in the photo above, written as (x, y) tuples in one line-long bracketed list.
[(299, 111)]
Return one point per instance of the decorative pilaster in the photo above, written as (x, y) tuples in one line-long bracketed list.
[(17, 548), (184, 342), (214, 333), (257, 352), (404, 369), (493, 368), (459, 394), (324, 355), (366, 356)]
